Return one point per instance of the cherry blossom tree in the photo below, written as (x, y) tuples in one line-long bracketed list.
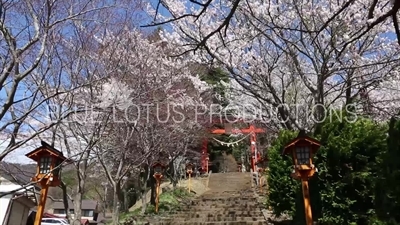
[(374, 12), (284, 56), (33, 57), (150, 96)]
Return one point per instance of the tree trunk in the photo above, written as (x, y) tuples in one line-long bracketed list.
[(65, 202), (144, 189), (174, 174), (77, 209), (116, 204), (125, 200), (105, 200), (153, 190), (78, 200)]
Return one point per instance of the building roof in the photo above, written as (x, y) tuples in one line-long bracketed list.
[(35, 154), (86, 204)]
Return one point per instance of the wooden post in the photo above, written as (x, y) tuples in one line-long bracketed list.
[(208, 180), (189, 184), (204, 155), (307, 205), (157, 194), (42, 203), (253, 149)]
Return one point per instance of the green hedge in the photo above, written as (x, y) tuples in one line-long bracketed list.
[(356, 181)]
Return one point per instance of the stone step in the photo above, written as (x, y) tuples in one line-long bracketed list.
[(233, 200), (216, 219), (226, 205), (223, 210), (211, 214), (227, 198), (230, 200), (261, 222), (238, 201), (229, 209), (230, 203)]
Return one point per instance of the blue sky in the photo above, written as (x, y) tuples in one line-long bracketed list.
[(18, 155)]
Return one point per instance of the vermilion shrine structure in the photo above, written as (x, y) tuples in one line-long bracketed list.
[(252, 130)]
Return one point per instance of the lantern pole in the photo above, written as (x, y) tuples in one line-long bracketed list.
[(189, 170), (189, 184), (42, 203), (207, 160), (158, 175), (307, 201), (303, 170), (157, 193)]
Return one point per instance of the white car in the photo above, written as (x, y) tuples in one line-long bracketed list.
[(54, 221)]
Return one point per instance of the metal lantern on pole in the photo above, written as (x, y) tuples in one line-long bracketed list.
[(207, 163), (189, 170), (48, 172), (302, 149), (261, 165), (158, 169)]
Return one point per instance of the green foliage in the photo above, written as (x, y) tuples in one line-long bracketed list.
[(240, 149), (213, 77), (69, 178), (282, 188), (388, 190), (169, 201), (349, 164)]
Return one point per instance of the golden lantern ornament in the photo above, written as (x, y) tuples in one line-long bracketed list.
[(302, 149), (207, 163), (261, 166), (158, 169), (48, 171), (189, 171)]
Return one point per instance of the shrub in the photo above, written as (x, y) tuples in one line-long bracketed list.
[(282, 188), (349, 163)]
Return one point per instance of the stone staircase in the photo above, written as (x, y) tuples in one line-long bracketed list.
[(230, 201)]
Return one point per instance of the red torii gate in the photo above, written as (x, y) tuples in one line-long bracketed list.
[(252, 130)]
